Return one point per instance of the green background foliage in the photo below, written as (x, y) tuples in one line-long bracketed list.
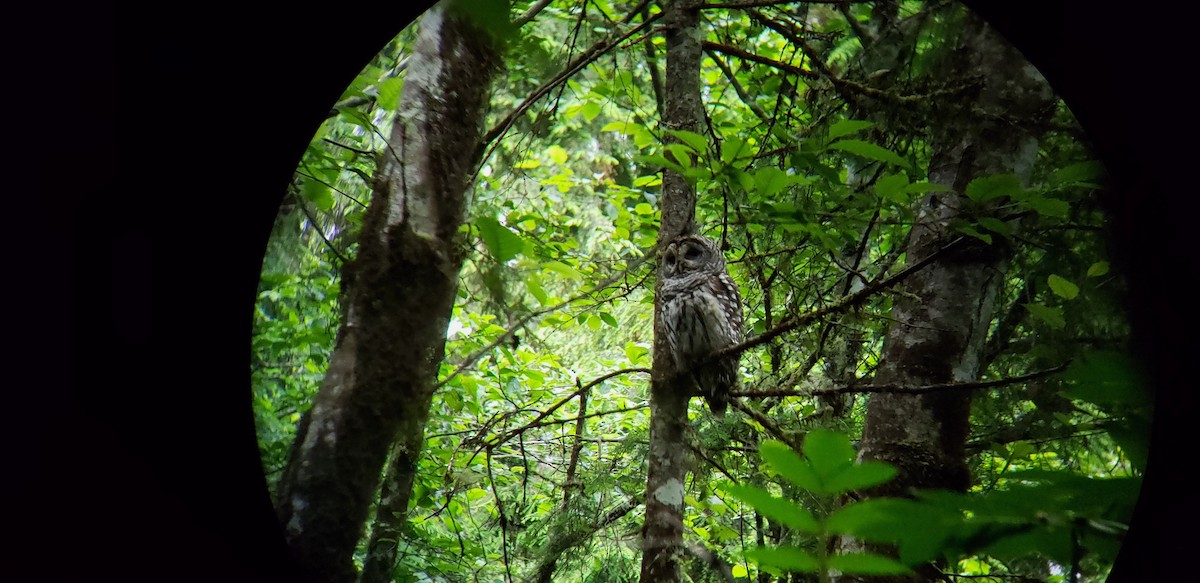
[(557, 291)]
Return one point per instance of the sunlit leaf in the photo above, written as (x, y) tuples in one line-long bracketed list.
[(1062, 287)]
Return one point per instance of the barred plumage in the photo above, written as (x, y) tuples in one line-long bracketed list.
[(702, 313)]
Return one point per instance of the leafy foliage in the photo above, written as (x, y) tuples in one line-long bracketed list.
[(529, 459)]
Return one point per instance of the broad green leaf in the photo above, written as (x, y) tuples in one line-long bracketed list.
[(733, 148), (1106, 379), (696, 142), (527, 164), (1090, 171), (590, 110), (557, 153), (995, 225), (1050, 207), (846, 127), (389, 93), (986, 188), (1097, 269), (892, 187), (609, 319), (619, 126), (789, 465), (1052, 316), (739, 572), (681, 154), (867, 564), (777, 509), (788, 558), (533, 283), (770, 180), (499, 240), (317, 193), (869, 150), (563, 270), (643, 208), (635, 353), (859, 476), (970, 230), (828, 452), (1062, 287)]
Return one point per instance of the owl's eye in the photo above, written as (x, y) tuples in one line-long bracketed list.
[(692, 253), (670, 259)]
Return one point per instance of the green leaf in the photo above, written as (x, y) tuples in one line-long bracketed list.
[(829, 453), (892, 187), (732, 148), (1097, 269), (1062, 287), (533, 283), (557, 153), (995, 225), (1090, 171), (681, 154), (787, 558), (609, 319), (1052, 316), (563, 269), (696, 142), (1107, 379), (389, 93), (317, 193), (867, 564), (1050, 207), (590, 110), (970, 230), (869, 150), (776, 509), (789, 465), (986, 188), (769, 181), (502, 243), (859, 476), (635, 353), (846, 127)]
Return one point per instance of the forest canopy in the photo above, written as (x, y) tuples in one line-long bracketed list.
[(935, 379)]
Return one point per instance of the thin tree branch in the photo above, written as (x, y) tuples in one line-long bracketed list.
[(908, 390), (536, 422), (521, 322), (529, 14), (837, 306), (765, 3), (749, 56), (585, 58), (737, 86)]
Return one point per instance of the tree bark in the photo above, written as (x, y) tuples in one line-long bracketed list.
[(942, 313), (662, 533), (398, 293)]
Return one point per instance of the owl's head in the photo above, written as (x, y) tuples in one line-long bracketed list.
[(691, 254)]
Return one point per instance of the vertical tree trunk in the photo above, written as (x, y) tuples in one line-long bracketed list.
[(398, 293), (662, 533), (943, 312)]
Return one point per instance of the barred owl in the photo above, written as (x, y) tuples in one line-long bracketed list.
[(702, 313)]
